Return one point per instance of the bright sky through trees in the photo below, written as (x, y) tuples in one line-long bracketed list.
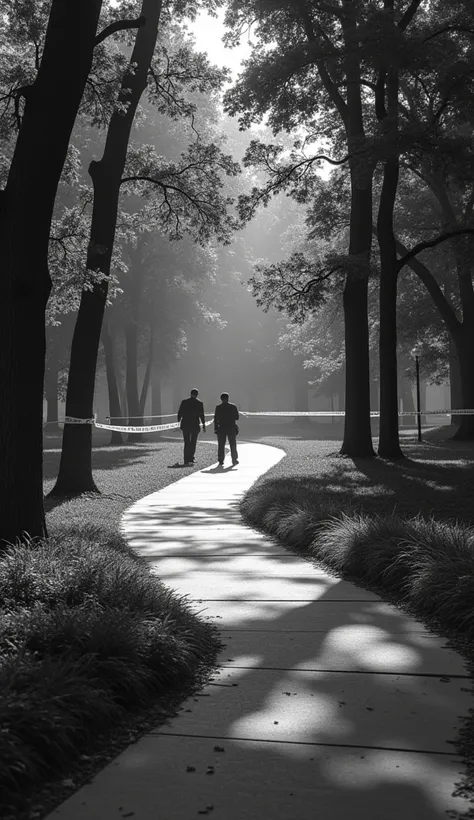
[(208, 32)]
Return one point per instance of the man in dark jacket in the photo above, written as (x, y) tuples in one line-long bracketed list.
[(190, 413), (225, 418)]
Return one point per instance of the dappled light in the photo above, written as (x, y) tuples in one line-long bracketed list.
[(317, 679)]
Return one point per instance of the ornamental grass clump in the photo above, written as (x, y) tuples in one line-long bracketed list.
[(440, 584), (87, 633), (424, 564), (367, 549)]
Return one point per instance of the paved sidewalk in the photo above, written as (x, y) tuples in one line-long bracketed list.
[(328, 703)]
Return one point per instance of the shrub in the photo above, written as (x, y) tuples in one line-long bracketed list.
[(87, 632), (425, 564)]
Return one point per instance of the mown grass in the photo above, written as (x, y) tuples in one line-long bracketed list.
[(88, 635)]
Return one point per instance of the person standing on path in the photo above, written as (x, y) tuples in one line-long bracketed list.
[(190, 413), (225, 425)]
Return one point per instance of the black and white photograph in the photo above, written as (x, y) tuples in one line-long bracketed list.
[(236, 409)]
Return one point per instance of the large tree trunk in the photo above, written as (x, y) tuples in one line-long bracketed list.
[(112, 385), (387, 88), (26, 209), (357, 432), (465, 346), (389, 444), (75, 471)]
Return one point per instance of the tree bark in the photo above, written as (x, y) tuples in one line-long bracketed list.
[(147, 375), (26, 209), (52, 402), (389, 443), (357, 431), (112, 386), (156, 406), (131, 379), (455, 386), (465, 346), (75, 471), (357, 439)]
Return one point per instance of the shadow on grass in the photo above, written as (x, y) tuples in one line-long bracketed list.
[(103, 458), (435, 481)]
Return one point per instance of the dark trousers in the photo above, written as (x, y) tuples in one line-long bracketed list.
[(190, 435), (221, 437)]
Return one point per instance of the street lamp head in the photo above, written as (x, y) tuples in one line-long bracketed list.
[(416, 351)]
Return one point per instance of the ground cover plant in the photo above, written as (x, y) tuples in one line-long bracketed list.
[(91, 642), (402, 529)]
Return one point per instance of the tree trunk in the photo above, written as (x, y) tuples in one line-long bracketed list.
[(75, 471), (112, 386), (26, 208), (389, 444), (455, 386), (147, 376), (131, 380), (465, 346), (357, 431), (156, 407), (52, 402)]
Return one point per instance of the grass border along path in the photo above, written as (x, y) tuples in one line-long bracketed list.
[(363, 521), (93, 647)]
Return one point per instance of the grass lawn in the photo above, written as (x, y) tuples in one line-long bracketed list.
[(94, 649), (436, 477), (123, 474)]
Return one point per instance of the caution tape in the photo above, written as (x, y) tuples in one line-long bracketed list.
[(154, 428), (374, 413), (74, 420), (162, 416)]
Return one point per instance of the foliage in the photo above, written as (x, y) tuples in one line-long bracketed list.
[(184, 197), (88, 633)]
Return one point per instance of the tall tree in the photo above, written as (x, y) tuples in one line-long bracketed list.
[(308, 63), (186, 199), (46, 111)]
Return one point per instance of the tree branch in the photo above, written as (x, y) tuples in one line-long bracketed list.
[(326, 80), (119, 25), (446, 311), (463, 29), (409, 14), (431, 243)]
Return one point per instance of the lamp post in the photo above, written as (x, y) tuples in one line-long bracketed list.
[(416, 355)]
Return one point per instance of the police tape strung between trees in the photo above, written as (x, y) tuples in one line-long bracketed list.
[(156, 428)]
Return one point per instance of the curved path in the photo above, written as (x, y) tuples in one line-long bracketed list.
[(327, 703)]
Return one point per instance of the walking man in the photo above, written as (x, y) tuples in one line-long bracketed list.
[(225, 418), (190, 413)]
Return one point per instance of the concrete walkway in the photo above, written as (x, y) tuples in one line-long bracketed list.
[(328, 703)]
